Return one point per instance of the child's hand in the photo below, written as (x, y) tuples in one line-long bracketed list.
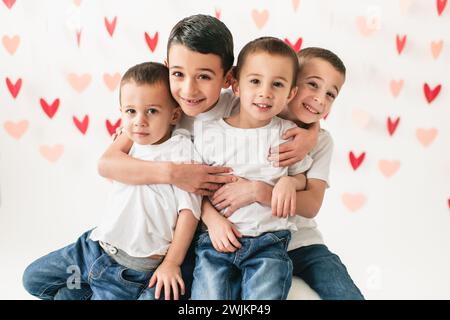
[(167, 275), (200, 178), (284, 197), (117, 133), (288, 153), (224, 234), (234, 196)]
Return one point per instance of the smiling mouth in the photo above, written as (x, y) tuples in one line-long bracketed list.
[(310, 109), (193, 101), (263, 105), (141, 134)]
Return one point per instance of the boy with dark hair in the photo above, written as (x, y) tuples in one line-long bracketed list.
[(147, 229)]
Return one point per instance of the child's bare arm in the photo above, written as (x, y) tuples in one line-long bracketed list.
[(284, 198), (222, 232), (235, 195), (308, 201), (295, 150), (168, 274), (117, 165)]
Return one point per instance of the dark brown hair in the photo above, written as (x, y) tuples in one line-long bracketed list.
[(307, 54), (270, 45), (204, 34), (150, 73)]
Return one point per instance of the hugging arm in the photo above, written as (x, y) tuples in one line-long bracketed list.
[(117, 165), (291, 152)]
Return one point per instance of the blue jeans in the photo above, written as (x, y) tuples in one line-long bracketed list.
[(260, 269), (324, 272), (82, 271)]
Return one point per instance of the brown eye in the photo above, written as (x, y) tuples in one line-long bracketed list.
[(331, 95), (278, 84), (204, 77)]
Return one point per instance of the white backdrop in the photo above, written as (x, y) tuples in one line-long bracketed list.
[(387, 211)]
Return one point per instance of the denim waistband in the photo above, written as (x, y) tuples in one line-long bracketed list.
[(124, 259)]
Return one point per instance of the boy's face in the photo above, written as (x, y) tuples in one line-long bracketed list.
[(196, 79), (318, 86), (264, 85), (147, 112)]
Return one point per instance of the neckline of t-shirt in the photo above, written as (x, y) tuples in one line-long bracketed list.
[(157, 146), (224, 124)]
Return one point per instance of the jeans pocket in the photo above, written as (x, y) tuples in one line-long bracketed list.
[(134, 277)]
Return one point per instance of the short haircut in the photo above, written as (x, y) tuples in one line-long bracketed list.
[(204, 34), (150, 73), (272, 46), (307, 54)]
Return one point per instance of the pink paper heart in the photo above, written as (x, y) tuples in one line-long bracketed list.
[(260, 17), (79, 82), (364, 27), (218, 13), (16, 129), (353, 202), (111, 80), (436, 48), (426, 136), (388, 167), (295, 4), (396, 86), (11, 44), (51, 153), (360, 118)]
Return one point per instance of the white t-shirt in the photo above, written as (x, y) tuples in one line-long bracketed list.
[(308, 233), (140, 219), (246, 152)]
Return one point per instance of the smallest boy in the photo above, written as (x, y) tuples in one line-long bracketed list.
[(147, 229)]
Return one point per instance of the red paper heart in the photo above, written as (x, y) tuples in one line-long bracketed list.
[(110, 26), (151, 42), (14, 88), (400, 41), (81, 125), (392, 125), (356, 161), (297, 46), (441, 6), (431, 94), (112, 127), (9, 3), (49, 110)]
